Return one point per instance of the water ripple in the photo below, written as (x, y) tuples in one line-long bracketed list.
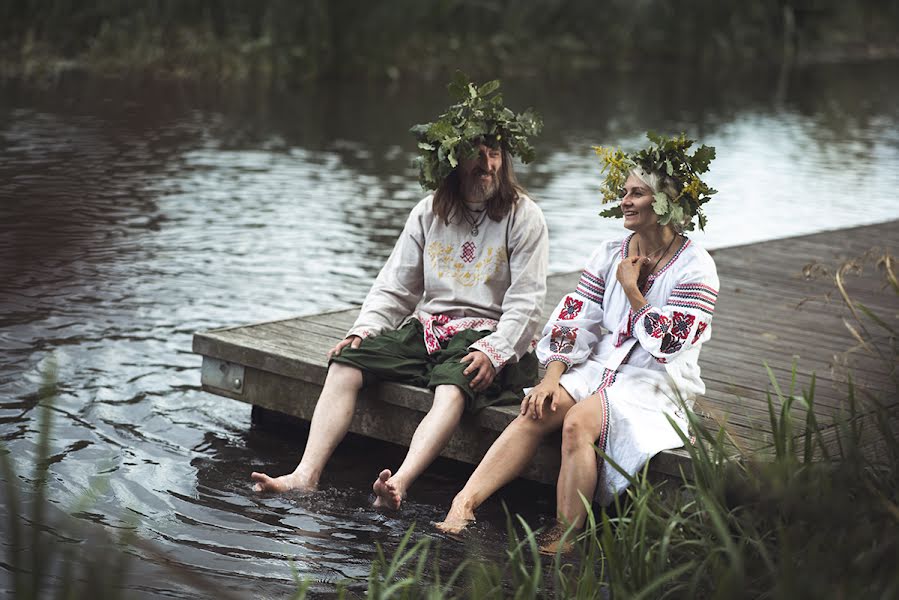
[(127, 225)]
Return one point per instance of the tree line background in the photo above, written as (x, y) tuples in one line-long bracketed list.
[(292, 42)]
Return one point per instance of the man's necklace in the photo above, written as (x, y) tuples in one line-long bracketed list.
[(475, 222)]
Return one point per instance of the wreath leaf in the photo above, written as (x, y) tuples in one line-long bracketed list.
[(477, 115), (665, 156)]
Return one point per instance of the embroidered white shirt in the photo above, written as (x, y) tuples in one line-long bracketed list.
[(665, 335), (495, 280), (646, 368)]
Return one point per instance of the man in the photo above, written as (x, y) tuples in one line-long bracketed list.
[(456, 306)]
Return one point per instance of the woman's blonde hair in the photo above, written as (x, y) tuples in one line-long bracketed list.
[(658, 182)]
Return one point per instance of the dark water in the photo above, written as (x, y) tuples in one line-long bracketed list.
[(132, 215)]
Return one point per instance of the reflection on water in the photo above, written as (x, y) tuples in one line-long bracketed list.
[(131, 216)]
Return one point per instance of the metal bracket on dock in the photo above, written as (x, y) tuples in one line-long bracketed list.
[(222, 375)]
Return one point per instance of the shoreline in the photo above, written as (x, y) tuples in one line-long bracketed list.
[(229, 66)]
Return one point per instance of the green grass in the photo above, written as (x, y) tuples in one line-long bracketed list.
[(817, 516), (792, 525), (52, 554), (46, 554)]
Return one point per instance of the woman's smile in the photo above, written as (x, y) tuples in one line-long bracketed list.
[(637, 202)]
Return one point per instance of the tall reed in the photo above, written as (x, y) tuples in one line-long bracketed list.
[(45, 562), (817, 516), (50, 553)]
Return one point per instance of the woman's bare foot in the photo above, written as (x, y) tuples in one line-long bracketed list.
[(457, 519), (387, 495), (555, 540), (285, 483)]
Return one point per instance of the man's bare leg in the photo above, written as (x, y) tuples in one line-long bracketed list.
[(430, 437), (506, 458), (577, 476), (330, 422)]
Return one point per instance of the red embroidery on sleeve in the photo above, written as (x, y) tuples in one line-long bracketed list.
[(562, 339), (699, 331), (681, 323), (571, 309), (656, 325)]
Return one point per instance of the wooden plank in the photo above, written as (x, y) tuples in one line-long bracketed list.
[(752, 374), (395, 421), (767, 310)]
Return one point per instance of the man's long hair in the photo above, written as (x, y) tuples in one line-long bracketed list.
[(449, 197)]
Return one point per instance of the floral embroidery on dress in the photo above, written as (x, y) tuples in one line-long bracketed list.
[(656, 325), (562, 339), (571, 308), (681, 323), (673, 331), (699, 330), (671, 344)]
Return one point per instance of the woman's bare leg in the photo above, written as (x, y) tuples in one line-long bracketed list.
[(330, 422), (505, 459), (577, 476), (429, 439)]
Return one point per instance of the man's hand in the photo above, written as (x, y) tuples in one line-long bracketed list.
[(483, 369), (352, 340), (547, 391)]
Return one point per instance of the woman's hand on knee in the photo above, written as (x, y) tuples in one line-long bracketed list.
[(547, 392), (353, 341)]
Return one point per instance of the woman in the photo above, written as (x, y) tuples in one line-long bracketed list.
[(654, 293)]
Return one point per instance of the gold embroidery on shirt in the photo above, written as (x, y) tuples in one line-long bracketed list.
[(445, 262)]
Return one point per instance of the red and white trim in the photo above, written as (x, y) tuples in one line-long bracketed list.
[(439, 328)]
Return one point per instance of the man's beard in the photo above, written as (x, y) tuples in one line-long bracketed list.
[(476, 190)]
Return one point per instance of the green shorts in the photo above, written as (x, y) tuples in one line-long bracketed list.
[(400, 355)]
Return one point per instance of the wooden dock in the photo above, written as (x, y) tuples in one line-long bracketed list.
[(769, 310)]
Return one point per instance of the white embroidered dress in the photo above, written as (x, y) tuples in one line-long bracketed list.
[(646, 364), (451, 279)]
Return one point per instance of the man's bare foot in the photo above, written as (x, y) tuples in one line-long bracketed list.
[(555, 540), (456, 519), (385, 491), (285, 483)]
